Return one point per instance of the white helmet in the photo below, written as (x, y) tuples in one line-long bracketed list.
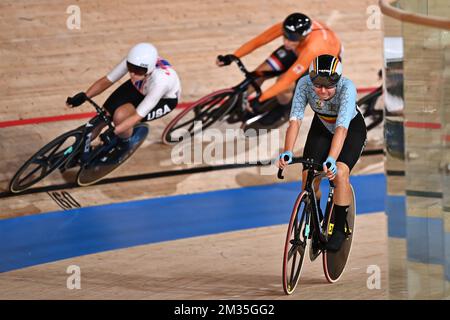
[(143, 55)]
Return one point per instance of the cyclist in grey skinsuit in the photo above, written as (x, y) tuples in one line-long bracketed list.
[(337, 135)]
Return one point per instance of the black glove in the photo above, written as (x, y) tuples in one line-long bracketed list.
[(226, 59), (77, 99), (109, 137)]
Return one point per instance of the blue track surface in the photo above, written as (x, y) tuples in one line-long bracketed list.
[(42, 238)]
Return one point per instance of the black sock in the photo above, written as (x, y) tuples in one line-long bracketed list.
[(340, 215)]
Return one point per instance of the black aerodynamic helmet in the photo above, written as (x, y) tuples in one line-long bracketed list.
[(296, 26), (325, 70)]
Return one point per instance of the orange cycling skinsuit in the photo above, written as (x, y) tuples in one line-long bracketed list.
[(321, 40), (315, 39)]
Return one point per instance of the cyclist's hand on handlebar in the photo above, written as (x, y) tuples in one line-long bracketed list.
[(284, 159), (329, 166), (76, 100), (224, 60)]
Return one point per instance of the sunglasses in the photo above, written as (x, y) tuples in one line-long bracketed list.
[(319, 86), (140, 71)]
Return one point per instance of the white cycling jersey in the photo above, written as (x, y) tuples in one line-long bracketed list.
[(162, 83)]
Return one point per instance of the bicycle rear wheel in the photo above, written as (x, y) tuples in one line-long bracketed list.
[(46, 160), (204, 113), (296, 244), (334, 262), (98, 169)]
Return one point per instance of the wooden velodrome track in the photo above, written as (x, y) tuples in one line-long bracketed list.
[(43, 62)]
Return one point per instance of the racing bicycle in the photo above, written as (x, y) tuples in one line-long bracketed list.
[(308, 232), (74, 149), (222, 105)]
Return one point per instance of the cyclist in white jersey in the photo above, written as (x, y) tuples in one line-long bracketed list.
[(337, 135), (151, 92)]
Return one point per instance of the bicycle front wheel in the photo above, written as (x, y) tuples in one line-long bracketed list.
[(296, 244), (46, 160), (199, 115)]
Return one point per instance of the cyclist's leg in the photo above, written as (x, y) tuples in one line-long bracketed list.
[(162, 108), (342, 200), (318, 143), (280, 60), (342, 195), (121, 114), (122, 96), (351, 152), (262, 67), (122, 103), (317, 146)]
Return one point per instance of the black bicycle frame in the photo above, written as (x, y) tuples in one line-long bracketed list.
[(86, 155), (251, 77), (315, 171)]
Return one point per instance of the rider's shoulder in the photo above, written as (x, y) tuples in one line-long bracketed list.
[(346, 84), (303, 84), (163, 71)]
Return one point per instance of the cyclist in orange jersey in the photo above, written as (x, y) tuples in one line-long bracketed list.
[(303, 40)]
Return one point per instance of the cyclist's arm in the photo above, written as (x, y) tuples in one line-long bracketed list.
[(157, 90), (291, 134), (105, 82), (297, 112), (290, 76), (267, 36), (128, 123), (337, 142), (98, 87), (145, 107), (346, 111)]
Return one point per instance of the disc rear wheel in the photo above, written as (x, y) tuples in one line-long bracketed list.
[(334, 263), (104, 164)]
